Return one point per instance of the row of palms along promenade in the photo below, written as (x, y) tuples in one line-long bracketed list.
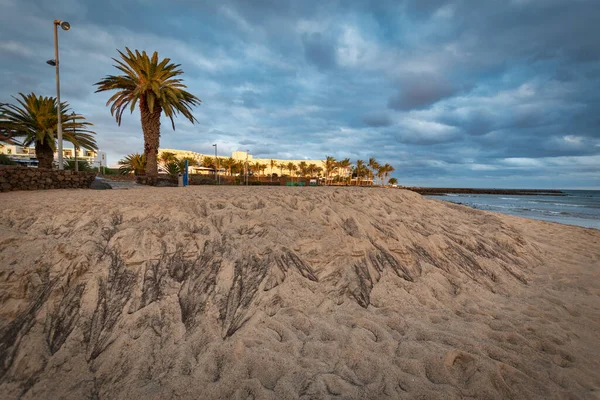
[(156, 88)]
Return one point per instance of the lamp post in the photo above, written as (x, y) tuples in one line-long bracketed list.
[(55, 63), (74, 145), (217, 177), (247, 167)]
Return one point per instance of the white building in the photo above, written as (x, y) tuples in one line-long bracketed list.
[(26, 155)]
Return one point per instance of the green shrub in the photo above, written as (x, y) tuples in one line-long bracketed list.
[(84, 166), (4, 160)]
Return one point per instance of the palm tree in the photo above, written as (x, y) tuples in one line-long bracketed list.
[(173, 168), (181, 163), (272, 164), (35, 122), (156, 87), (228, 164), (359, 170), (281, 167), (208, 162), (387, 168), (291, 167), (256, 167), (303, 168), (330, 165), (263, 167), (166, 157), (374, 165), (135, 163), (311, 169), (343, 165), (393, 181)]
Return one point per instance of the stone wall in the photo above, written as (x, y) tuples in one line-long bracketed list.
[(22, 178)]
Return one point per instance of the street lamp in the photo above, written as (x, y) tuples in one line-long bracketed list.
[(217, 177), (74, 145), (247, 167), (55, 63)]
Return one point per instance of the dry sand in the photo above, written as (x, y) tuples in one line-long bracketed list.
[(282, 293)]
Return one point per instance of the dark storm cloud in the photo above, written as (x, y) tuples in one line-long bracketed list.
[(450, 92), (419, 91), (377, 119), (319, 50)]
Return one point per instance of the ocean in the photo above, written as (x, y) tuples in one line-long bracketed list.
[(578, 207)]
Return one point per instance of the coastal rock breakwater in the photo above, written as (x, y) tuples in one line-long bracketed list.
[(228, 292)]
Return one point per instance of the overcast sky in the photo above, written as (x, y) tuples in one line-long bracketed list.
[(477, 93)]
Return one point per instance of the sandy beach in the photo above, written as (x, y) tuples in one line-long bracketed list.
[(283, 293)]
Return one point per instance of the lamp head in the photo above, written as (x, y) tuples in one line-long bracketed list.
[(51, 62), (63, 24)]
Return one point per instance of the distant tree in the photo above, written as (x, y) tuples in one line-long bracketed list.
[(228, 164), (360, 171), (374, 165), (303, 168), (166, 157), (135, 163), (312, 168), (272, 164), (208, 162), (281, 167), (291, 167), (330, 165), (387, 169), (343, 166), (181, 163), (393, 181)]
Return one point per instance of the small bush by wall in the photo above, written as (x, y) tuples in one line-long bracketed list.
[(22, 178)]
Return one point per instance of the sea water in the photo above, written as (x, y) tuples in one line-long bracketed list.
[(577, 207)]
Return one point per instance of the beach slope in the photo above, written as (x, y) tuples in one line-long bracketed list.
[(282, 293)]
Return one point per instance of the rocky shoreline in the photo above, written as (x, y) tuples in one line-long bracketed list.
[(514, 192)]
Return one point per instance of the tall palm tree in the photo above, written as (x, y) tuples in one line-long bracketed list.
[(34, 122), (330, 165), (281, 167), (135, 163), (157, 88)]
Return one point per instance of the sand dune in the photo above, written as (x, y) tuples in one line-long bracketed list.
[(277, 293)]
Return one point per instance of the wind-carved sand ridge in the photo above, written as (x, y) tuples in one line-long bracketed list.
[(275, 293)]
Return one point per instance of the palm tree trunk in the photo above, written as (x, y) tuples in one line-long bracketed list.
[(44, 154), (151, 130)]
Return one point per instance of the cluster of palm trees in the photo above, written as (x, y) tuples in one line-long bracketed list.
[(343, 171), (154, 86)]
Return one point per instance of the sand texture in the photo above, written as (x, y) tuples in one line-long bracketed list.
[(284, 293)]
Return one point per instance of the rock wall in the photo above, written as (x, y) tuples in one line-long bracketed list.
[(21, 178)]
